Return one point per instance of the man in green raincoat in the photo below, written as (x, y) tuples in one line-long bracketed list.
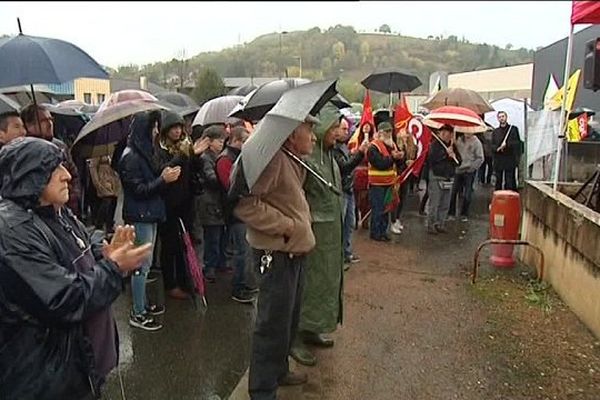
[(322, 299)]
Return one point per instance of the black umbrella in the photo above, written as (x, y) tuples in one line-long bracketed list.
[(391, 81), (242, 90), (290, 111), (180, 103), (262, 99), (258, 103)]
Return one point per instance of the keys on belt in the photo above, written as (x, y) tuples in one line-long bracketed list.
[(265, 261)]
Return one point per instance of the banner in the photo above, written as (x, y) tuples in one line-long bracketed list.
[(557, 100)]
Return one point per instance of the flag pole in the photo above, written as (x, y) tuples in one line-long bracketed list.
[(561, 132)]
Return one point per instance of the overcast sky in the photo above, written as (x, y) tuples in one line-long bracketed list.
[(117, 33)]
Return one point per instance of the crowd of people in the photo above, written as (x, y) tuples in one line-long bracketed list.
[(286, 243)]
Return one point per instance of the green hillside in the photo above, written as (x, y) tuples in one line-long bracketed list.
[(337, 51)]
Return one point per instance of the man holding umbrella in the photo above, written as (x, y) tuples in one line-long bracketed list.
[(278, 221)]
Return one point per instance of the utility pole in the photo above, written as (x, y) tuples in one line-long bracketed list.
[(281, 33)]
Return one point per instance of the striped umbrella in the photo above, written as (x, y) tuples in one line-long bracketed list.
[(461, 118)]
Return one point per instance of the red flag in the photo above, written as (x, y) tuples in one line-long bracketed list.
[(367, 116), (402, 115), (422, 135), (585, 12)]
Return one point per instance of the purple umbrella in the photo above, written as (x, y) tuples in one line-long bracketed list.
[(110, 124)]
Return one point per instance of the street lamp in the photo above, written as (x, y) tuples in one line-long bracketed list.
[(300, 62)]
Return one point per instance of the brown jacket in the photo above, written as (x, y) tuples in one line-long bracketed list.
[(277, 203)]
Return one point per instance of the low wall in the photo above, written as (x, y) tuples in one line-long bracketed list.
[(569, 235)]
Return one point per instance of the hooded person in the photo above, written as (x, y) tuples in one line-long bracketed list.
[(58, 334), (321, 309), (143, 205), (174, 149)]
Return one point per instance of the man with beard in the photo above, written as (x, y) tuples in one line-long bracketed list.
[(384, 161), (506, 147)]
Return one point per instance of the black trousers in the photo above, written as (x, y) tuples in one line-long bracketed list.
[(277, 319), (506, 176), (172, 261)]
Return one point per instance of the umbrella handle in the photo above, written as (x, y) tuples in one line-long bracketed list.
[(445, 147), (312, 171)]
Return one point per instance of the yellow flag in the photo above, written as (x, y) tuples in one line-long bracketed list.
[(557, 99), (573, 134)]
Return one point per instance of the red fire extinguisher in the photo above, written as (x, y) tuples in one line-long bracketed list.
[(505, 220)]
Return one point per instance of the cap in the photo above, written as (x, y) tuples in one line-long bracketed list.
[(384, 126)]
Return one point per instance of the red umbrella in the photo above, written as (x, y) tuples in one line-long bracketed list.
[(193, 265), (461, 118)]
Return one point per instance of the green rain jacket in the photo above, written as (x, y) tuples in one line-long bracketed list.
[(322, 298)]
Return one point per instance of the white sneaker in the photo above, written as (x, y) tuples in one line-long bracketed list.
[(396, 228)]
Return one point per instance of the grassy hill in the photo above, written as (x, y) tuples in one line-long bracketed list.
[(337, 51)]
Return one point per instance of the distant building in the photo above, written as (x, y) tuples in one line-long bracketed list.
[(90, 90), (496, 83)]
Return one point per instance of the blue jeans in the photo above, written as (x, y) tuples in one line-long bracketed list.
[(462, 181), (144, 233), (379, 218), (214, 247), (349, 222), (240, 254)]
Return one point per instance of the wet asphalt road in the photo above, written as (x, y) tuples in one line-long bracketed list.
[(198, 354), (203, 355)]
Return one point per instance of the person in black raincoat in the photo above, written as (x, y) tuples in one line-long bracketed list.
[(174, 149), (58, 337)]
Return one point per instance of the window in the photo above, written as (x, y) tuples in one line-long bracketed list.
[(87, 98)]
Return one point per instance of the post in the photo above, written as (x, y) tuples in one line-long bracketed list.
[(561, 133), (525, 138), (300, 72), (280, 67)]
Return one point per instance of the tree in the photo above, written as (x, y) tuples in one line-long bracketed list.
[(385, 28), (339, 50), (208, 86), (365, 51)]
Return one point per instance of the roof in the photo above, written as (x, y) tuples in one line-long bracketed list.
[(234, 82), (243, 81), (124, 84)]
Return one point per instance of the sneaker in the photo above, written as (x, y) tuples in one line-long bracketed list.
[(395, 228), (144, 322), (346, 266), (155, 309), (243, 297), (464, 219), (451, 218), (352, 259)]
